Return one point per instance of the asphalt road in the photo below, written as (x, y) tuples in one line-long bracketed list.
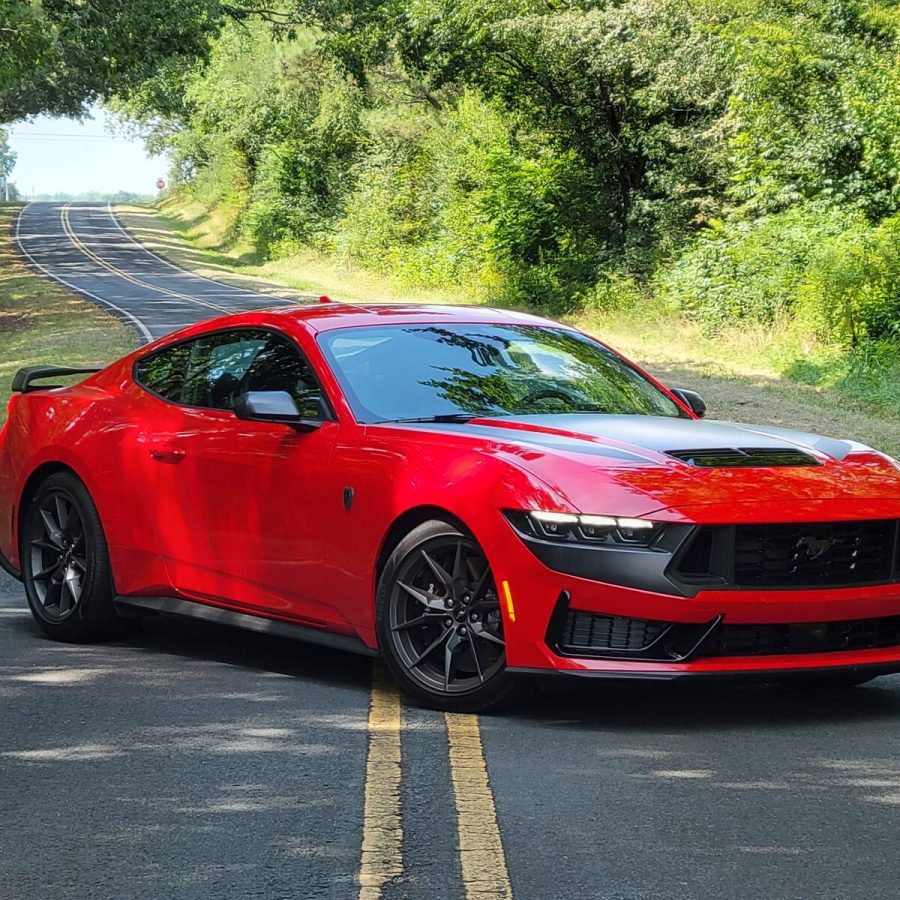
[(193, 761)]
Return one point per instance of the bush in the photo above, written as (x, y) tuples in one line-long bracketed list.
[(750, 269), (851, 290)]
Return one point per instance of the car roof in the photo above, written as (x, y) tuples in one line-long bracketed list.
[(329, 316)]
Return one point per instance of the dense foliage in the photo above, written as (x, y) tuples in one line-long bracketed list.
[(733, 159), (56, 56)]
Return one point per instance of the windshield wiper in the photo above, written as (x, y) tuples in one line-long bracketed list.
[(444, 417)]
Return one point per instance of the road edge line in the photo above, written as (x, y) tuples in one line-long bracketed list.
[(141, 328)]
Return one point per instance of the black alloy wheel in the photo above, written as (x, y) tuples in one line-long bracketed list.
[(439, 621), (57, 559), (65, 563)]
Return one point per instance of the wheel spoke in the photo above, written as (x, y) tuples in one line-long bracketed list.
[(72, 582), (52, 529), (479, 585), (485, 635), (450, 658), (427, 599), (430, 648), (52, 594), (458, 562), (439, 571), (50, 570), (474, 651), (424, 619), (80, 562), (45, 545), (62, 512)]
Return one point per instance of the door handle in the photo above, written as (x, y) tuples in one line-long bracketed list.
[(171, 455)]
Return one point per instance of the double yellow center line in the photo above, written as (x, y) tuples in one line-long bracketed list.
[(115, 270), (482, 858)]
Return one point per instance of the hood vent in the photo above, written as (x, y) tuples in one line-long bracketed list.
[(744, 458)]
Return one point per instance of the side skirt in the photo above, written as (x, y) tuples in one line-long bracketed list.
[(178, 607)]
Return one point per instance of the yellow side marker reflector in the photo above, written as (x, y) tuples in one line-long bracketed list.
[(507, 595)]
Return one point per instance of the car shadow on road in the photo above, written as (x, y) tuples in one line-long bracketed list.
[(208, 642), (560, 702), (651, 706)]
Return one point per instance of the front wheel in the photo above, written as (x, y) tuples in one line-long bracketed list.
[(439, 622), (65, 563)]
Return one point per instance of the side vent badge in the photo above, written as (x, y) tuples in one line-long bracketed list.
[(348, 498)]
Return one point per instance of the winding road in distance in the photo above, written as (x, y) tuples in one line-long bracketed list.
[(197, 762), (85, 248)]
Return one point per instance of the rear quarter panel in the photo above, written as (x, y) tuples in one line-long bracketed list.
[(87, 429)]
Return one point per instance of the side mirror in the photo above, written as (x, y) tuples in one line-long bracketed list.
[(694, 402), (272, 406)]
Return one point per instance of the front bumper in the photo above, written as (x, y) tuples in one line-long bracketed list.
[(538, 593)]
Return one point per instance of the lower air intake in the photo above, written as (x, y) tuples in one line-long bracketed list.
[(590, 632)]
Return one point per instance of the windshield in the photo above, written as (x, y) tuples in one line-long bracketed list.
[(401, 372)]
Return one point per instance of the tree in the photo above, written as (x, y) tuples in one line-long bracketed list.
[(59, 56), (7, 156)]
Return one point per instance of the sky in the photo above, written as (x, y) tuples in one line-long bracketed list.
[(64, 155)]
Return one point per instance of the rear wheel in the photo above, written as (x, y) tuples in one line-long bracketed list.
[(65, 563), (439, 622)]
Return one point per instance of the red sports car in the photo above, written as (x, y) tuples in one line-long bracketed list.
[(473, 494)]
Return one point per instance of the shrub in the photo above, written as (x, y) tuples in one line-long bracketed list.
[(750, 269), (851, 290)]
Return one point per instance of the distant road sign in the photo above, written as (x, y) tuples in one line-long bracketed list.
[(160, 184)]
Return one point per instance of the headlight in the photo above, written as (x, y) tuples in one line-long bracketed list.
[(588, 529)]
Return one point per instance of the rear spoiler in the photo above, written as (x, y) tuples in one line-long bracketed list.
[(23, 380)]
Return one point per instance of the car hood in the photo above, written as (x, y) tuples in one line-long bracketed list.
[(622, 464)]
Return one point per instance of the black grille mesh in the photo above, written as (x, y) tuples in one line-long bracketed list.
[(589, 631), (806, 637), (818, 554)]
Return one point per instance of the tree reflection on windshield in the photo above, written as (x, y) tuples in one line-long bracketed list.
[(394, 372)]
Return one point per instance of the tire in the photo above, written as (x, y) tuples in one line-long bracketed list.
[(65, 563), (439, 623)]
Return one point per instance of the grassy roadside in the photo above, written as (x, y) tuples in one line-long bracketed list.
[(740, 375), (42, 323)]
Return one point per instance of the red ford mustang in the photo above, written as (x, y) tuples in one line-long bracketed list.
[(473, 494)]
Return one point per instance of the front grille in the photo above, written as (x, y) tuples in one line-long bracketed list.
[(744, 458), (806, 637), (826, 555), (590, 632), (799, 555)]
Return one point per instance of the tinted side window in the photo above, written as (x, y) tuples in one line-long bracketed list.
[(279, 366), (212, 372), (164, 372), (217, 366)]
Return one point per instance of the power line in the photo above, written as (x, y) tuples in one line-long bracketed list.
[(58, 135)]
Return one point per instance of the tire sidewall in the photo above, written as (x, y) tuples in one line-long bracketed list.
[(95, 607), (498, 689)]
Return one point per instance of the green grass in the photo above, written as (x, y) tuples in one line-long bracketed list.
[(42, 323), (768, 375)]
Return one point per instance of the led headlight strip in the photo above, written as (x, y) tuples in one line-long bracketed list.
[(557, 518)]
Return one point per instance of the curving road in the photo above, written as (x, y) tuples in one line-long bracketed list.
[(85, 248), (197, 762)]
